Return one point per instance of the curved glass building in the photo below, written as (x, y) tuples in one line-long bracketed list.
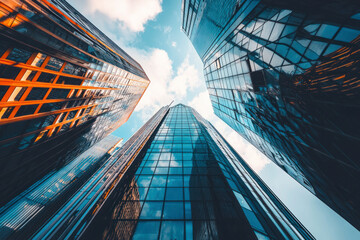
[(285, 75)]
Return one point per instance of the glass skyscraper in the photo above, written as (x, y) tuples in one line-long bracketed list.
[(285, 75), (24, 214), (176, 178), (64, 86)]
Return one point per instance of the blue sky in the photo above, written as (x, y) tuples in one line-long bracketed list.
[(149, 30)]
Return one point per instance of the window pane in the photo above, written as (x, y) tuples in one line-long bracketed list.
[(37, 94), (9, 72), (151, 210), (156, 194), (347, 34), (46, 77), (174, 194), (189, 230), (148, 170), (26, 110), (143, 181), (146, 230), (19, 55), (173, 210), (142, 193), (161, 170), (187, 210), (175, 181), (172, 230), (254, 222), (158, 181), (242, 200)]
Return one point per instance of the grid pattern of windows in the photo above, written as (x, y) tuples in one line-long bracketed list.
[(66, 89), (288, 81), (57, 70), (181, 189)]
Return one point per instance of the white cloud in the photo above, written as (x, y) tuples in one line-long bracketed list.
[(173, 44), (167, 29), (132, 14), (166, 85), (257, 161), (158, 67), (201, 103), (186, 79)]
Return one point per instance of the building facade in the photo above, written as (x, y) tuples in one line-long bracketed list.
[(185, 182), (64, 86), (28, 211), (285, 75)]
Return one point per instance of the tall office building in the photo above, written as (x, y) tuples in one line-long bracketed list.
[(64, 86), (285, 75), (29, 210), (180, 180)]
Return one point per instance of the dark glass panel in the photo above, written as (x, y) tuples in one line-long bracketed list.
[(173, 210), (37, 94), (19, 55), (58, 93), (3, 90), (46, 77), (8, 72), (26, 110)]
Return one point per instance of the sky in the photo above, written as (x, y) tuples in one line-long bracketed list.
[(149, 30)]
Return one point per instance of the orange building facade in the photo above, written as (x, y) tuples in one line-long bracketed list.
[(64, 86)]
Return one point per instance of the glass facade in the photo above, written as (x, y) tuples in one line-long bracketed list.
[(188, 183), (31, 208), (285, 75), (72, 218), (64, 86)]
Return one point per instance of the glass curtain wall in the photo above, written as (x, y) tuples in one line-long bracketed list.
[(179, 188), (285, 75)]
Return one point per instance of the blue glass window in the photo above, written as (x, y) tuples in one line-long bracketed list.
[(175, 181), (163, 163), (254, 222), (148, 170), (171, 230), (173, 210), (161, 170), (155, 194), (347, 34), (174, 194), (143, 181), (151, 210), (142, 193), (327, 31), (147, 230), (158, 181), (175, 170)]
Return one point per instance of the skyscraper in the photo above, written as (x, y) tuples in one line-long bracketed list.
[(285, 75), (64, 86), (30, 209), (177, 178)]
